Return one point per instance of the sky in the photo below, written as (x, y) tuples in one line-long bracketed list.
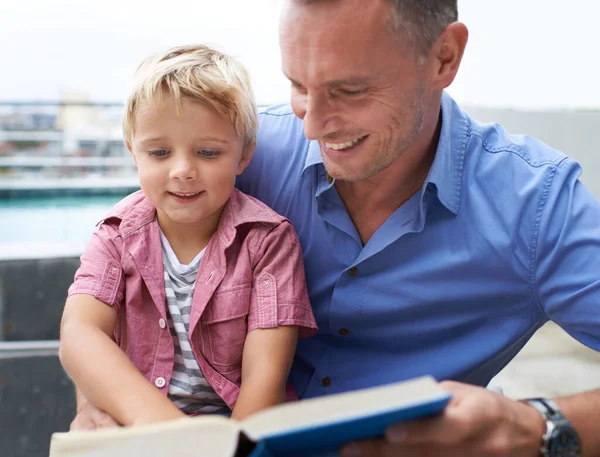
[(522, 54)]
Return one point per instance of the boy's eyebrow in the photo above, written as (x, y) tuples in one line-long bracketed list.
[(215, 139), (159, 139)]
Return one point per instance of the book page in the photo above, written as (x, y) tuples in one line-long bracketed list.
[(336, 408), (213, 436)]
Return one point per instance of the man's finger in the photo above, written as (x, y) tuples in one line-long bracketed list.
[(370, 448)]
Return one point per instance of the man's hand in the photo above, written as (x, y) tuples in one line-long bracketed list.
[(91, 418), (476, 422)]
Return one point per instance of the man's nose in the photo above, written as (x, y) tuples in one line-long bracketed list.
[(319, 116)]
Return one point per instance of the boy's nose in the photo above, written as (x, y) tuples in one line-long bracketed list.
[(183, 169)]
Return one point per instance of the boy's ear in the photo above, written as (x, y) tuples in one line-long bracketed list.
[(246, 156), (130, 149)]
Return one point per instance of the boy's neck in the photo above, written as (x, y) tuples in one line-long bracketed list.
[(187, 240)]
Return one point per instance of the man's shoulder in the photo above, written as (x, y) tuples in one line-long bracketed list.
[(280, 110), (279, 128), (496, 143), (279, 159)]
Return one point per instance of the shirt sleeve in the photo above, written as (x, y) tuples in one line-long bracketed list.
[(100, 273), (279, 294), (567, 255)]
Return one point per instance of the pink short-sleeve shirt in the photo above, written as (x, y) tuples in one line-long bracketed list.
[(251, 277)]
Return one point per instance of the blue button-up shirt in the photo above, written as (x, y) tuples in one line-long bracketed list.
[(501, 238)]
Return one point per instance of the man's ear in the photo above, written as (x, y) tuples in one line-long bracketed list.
[(446, 54), (245, 158)]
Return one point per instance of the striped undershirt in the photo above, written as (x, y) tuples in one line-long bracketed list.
[(188, 388)]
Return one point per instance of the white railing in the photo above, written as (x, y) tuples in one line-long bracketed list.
[(64, 161)]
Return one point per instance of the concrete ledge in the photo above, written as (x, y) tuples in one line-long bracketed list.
[(32, 296), (551, 364), (37, 399)]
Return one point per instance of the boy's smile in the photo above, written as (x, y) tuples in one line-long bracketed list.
[(185, 197), (187, 162)]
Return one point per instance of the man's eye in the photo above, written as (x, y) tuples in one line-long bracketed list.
[(352, 92), (158, 152), (208, 153), (298, 88)]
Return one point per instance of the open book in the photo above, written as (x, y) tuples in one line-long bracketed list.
[(317, 426)]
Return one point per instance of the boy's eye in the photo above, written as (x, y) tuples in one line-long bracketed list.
[(158, 152), (208, 153)]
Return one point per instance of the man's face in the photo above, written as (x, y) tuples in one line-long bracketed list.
[(360, 90)]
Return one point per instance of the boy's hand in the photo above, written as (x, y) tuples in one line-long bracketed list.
[(91, 418)]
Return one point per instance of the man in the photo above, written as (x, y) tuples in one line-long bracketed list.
[(432, 244)]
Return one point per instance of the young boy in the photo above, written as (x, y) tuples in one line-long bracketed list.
[(188, 287)]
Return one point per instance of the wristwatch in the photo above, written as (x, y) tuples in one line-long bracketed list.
[(560, 439)]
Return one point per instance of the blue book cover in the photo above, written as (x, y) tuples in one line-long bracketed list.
[(324, 424), (316, 427)]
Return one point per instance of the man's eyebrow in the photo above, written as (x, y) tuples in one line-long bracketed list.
[(351, 81), (292, 80)]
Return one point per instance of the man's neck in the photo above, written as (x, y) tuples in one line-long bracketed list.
[(371, 201)]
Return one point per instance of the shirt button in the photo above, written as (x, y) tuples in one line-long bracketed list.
[(160, 382), (162, 323), (343, 331), (326, 381), (353, 271)]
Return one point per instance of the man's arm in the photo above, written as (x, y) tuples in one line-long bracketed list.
[(482, 423)]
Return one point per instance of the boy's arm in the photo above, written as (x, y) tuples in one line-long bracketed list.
[(102, 371), (266, 363), (280, 312)]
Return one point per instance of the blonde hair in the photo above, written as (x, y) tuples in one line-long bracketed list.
[(202, 73)]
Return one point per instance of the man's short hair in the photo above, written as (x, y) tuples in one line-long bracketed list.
[(200, 73), (422, 21), (419, 22)]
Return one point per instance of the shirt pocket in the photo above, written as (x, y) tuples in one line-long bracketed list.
[(226, 327)]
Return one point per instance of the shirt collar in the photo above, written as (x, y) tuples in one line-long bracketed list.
[(446, 171), (313, 155), (135, 211)]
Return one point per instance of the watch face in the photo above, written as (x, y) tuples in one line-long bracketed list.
[(564, 442)]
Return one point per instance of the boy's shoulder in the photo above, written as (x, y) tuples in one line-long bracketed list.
[(244, 209), (130, 213)]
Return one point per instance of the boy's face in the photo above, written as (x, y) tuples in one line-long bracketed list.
[(187, 163)]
